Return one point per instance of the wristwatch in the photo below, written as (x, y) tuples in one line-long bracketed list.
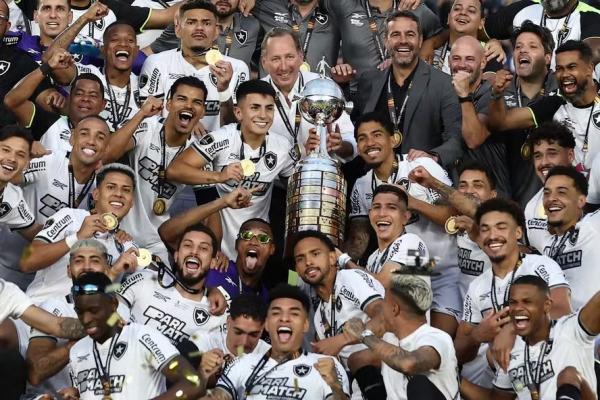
[(467, 99), (365, 333), (343, 260)]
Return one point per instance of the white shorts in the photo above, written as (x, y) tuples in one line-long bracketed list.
[(478, 370), (446, 294)]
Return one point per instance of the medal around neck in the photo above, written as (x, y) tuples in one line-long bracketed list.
[(144, 258), (159, 206), (248, 167), (213, 56), (110, 221), (316, 196)]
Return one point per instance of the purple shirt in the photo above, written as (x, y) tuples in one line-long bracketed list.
[(229, 283)]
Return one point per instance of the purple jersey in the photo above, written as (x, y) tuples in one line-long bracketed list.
[(229, 283)]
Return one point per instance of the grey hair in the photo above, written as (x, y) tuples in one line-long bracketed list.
[(88, 244), (413, 289), (114, 167)]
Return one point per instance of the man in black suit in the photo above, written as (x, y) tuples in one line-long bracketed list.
[(418, 99)]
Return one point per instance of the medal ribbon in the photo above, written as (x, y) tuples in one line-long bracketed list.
[(393, 176), (254, 379), (563, 29), (75, 202), (162, 168), (493, 296), (104, 369), (117, 118), (309, 28), (533, 376), (261, 153), (284, 117), (374, 30), (391, 103)]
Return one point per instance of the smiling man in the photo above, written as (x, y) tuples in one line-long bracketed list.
[(286, 370)]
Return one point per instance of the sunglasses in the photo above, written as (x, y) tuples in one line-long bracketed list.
[(262, 238), (88, 288)]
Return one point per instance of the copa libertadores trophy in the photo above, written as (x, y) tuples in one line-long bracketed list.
[(316, 194)]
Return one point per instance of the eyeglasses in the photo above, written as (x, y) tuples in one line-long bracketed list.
[(262, 238), (88, 288)]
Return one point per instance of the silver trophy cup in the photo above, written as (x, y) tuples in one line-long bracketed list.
[(316, 194)]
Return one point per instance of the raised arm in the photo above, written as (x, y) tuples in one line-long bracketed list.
[(188, 168), (499, 117), (187, 383), (590, 315), (68, 328)]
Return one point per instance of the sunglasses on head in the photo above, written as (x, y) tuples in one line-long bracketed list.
[(262, 238), (88, 288)]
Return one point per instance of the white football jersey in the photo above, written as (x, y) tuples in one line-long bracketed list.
[(290, 111), (53, 281), (578, 121), (58, 136), (472, 261), (397, 251), (13, 302), (478, 301), (162, 69), (14, 210), (218, 340), (48, 186), (166, 310), (353, 291), (445, 288), (294, 379), (577, 252), (570, 345), (223, 147), (593, 196), (141, 222), (116, 112), (445, 378), (137, 357), (537, 222)]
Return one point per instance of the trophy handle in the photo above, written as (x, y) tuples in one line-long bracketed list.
[(322, 132)]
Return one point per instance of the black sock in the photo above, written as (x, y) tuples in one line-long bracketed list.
[(370, 382), (567, 392)]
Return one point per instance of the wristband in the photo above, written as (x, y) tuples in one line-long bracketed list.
[(71, 240), (365, 334), (45, 69), (343, 260), (225, 95), (467, 99)]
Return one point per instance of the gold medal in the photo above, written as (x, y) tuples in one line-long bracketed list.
[(450, 226), (159, 207), (398, 138), (526, 151), (213, 56), (144, 258), (248, 167), (305, 67), (110, 221)]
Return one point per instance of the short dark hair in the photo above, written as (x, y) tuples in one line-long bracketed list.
[(116, 168), (387, 188), (579, 181), (115, 24), (534, 280), (503, 206), (374, 116), (248, 305), (473, 165), (98, 279), (253, 86), (198, 5), (187, 81), (552, 132), (285, 291), (10, 131), (403, 14), (204, 229), (541, 32), (585, 52), (93, 116), (278, 32), (252, 221), (89, 77), (301, 235)]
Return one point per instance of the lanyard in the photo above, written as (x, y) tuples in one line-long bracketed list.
[(533, 376), (75, 202), (228, 40), (330, 328), (382, 259), (117, 118), (254, 379), (557, 249), (309, 28), (563, 30), (441, 61), (393, 176), (261, 153), (391, 103), (493, 296), (374, 30), (541, 92), (587, 131), (162, 168), (284, 116), (104, 369)]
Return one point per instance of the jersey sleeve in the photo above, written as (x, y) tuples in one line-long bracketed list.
[(137, 17), (234, 376), (500, 24), (441, 343), (241, 74), (365, 288), (209, 145), (342, 378), (399, 250), (359, 206), (158, 348), (13, 302), (593, 196), (590, 24), (551, 272), (151, 78), (53, 307), (41, 121), (471, 309), (19, 217), (57, 227), (133, 284), (545, 108), (288, 166), (502, 381)]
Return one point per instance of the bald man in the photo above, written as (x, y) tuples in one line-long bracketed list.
[(467, 61)]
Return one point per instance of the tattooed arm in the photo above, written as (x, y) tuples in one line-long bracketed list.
[(45, 359), (68, 328)]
